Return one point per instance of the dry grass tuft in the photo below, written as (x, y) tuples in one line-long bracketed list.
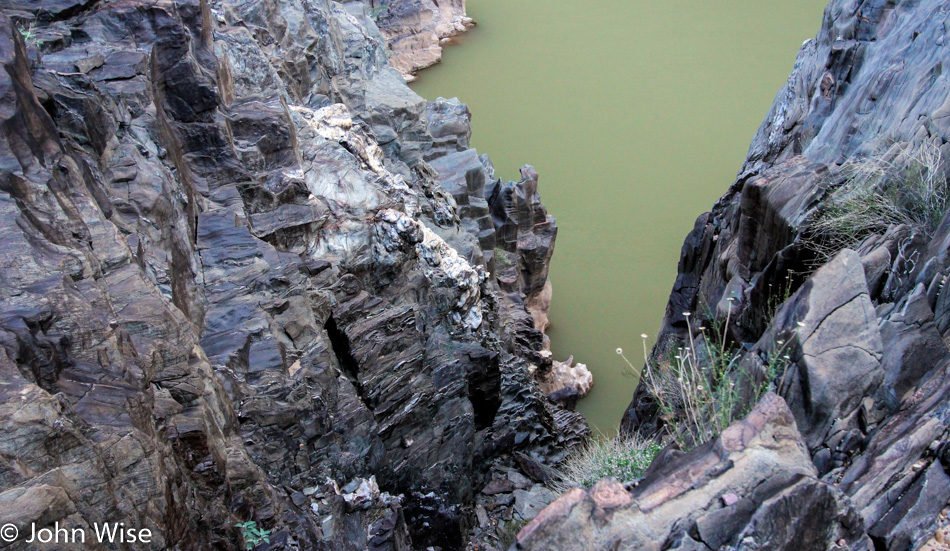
[(623, 458), (905, 187)]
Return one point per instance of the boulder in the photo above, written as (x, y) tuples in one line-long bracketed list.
[(835, 348)]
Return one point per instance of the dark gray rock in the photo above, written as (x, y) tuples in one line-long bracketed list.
[(523, 227), (528, 503), (225, 295), (835, 347), (912, 345), (911, 519), (450, 124), (868, 77)]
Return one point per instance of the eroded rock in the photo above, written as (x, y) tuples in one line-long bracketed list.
[(682, 504), (231, 286)]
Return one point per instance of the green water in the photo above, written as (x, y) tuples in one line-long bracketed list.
[(637, 115)]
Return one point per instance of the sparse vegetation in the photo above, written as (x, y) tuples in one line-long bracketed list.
[(501, 258), (379, 11), (698, 390), (778, 294), (508, 532), (28, 34), (907, 186), (253, 535), (622, 458)]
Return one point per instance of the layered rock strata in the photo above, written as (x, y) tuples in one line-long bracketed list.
[(242, 281)]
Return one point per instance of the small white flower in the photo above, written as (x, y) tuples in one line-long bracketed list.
[(619, 351)]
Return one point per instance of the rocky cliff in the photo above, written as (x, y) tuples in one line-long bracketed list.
[(248, 275), (851, 452)]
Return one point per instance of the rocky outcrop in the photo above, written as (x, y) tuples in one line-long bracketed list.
[(863, 330), (514, 233), (835, 346), (567, 382), (754, 487), (416, 30), (235, 286)]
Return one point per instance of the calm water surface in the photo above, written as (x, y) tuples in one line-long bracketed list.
[(637, 114)]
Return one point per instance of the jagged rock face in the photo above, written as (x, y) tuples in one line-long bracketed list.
[(515, 232), (231, 289), (865, 332), (754, 487)]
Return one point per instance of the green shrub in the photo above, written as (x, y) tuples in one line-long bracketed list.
[(625, 459), (907, 186), (252, 534), (502, 260)]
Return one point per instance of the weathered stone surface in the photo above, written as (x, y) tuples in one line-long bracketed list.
[(522, 227), (528, 503), (450, 124), (514, 230), (515, 235), (899, 456), (463, 175), (865, 78), (912, 345), (226, 292), (834, 346), (912, 518), (680, 505)]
